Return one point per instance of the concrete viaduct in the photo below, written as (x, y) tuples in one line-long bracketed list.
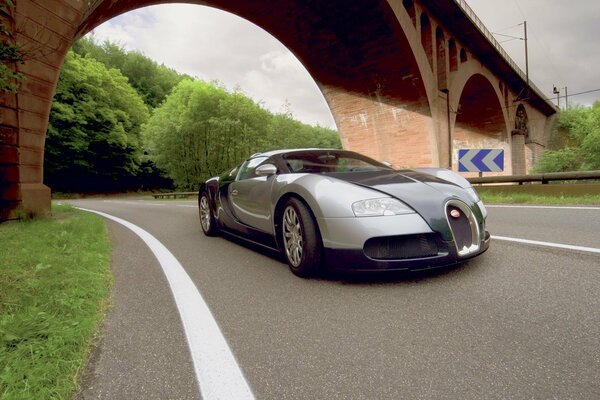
[(403, 79)]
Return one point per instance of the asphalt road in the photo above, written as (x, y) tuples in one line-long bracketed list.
[(519, 322)]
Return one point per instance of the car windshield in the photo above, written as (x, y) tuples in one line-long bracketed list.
[(330, 161)]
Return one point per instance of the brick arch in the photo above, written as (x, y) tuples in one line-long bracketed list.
[(328, 39), (465, 74), (358, 54), (480, 120), (360, 57), (366, 56)]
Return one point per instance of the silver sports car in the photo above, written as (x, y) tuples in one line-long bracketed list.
[(336, 209)]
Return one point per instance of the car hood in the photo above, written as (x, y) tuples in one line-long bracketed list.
[(425, 193)]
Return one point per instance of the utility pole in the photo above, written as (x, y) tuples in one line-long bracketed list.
[(556, 91), (566, 98), (526, 59), (526, 89)]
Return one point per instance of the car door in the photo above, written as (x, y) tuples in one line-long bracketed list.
[(250, 196)]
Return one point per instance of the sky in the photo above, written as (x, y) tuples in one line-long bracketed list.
[(214, 45)]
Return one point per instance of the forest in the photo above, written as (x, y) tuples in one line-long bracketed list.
[(122, 122)]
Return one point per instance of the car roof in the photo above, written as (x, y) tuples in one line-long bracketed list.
[(286, 151)]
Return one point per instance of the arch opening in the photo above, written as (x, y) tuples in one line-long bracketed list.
[(463, 55), (452, 55), (441, 58), (480, 121), (409, 6), (426, 40)]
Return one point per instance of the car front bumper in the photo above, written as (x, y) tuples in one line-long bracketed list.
[(406, 243), (355, 260)]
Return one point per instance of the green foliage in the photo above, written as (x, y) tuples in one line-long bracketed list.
[(55, 284), (11, 54), (152, 81), (197, 129), (93, 141), (582, 153), (562, 160), (201, 130)]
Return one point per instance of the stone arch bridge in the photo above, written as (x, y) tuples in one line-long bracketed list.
[(407, 81)]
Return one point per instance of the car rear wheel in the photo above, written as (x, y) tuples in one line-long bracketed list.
[(301, 240), (207, 221)]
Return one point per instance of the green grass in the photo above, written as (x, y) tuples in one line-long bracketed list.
[(522, 198), (55, 284)]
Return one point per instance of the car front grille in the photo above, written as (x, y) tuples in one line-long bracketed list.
[(464, 227), (402, 247)]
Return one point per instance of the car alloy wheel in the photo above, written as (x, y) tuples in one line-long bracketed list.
[(301, 240), (206, 219), (292, 236), (204, 213)]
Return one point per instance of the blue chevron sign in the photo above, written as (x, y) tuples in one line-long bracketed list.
[(480, 160)]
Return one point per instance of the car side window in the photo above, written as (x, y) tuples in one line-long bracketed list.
[(247, 170)]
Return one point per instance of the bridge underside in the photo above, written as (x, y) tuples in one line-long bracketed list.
[(388, 70)]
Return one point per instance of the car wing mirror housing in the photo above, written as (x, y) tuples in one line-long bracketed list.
[(266, 170)]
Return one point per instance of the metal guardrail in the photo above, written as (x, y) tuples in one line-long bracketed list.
[(173, 195), (543, 178), (520, 179)]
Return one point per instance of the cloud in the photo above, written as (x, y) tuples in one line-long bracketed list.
[(214, 45)]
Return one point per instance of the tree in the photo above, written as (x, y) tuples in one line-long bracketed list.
[(581, 146), (93, 142), (202, 130), (152, 81)]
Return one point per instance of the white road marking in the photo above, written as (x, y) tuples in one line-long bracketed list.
[(548, 244), (544, 207), (218, 374)]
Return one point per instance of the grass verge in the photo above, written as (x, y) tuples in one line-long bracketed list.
[(55, 282), (523, 198)]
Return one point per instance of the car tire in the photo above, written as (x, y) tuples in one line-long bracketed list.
[(207, 220), (301, 241)]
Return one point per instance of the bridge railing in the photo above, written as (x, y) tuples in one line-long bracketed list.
[(485, 32), (543, 178)]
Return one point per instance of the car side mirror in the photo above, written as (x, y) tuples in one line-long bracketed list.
[(266, 170)]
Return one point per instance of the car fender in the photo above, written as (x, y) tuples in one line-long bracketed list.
[(326, 196)]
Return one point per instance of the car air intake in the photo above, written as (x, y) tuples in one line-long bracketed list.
[(402, 247)]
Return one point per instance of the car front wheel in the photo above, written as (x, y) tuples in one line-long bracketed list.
[(302, 246), (207, 221)]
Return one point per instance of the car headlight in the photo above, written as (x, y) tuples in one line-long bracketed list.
[(379, 207)]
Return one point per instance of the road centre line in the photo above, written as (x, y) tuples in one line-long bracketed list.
[(217, 372), (542, 207), (548, 244)]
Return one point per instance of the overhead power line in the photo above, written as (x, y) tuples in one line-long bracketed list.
[(577, 94)]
